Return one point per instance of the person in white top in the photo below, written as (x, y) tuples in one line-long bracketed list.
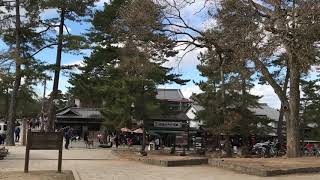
[(157, 143)]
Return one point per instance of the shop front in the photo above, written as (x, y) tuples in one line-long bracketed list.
[(168, 128)]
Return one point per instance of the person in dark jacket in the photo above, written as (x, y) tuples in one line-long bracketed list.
[(116, 140), (85, 136), (2, 138), (67, 136), (17, 133)]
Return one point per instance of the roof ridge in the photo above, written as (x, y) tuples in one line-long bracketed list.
[(168, 89)]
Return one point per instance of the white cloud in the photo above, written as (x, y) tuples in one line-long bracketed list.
[(209, 24), (101, 2), (184, 61), (193, 12), (269, 96), (188, 90)]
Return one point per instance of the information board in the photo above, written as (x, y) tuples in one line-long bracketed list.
[(44, 141)]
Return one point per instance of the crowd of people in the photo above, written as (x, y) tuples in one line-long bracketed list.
[(38, 122), (129, 139), (312, 149), (17, 131), (69, 134)]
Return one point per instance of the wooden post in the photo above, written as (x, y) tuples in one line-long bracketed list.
[(60, 152), (60, 160), (26, 161), (24, 132)]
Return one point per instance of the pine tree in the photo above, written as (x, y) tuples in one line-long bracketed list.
[(24, 42), (260, 29), (127, 74), (226, 97), (310, 106), (73, 10)]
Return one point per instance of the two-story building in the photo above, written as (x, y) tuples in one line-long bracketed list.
[(171, 120)]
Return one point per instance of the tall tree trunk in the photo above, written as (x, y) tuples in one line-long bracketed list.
[(283, 109), (17, 81), (7, 102), (293, 124), (280, 126), (143, 145), (224, 111), (244, 148), (43, 104), (293, 130), (54, 94)]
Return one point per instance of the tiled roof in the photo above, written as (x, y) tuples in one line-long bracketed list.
[(170, 94), (262, 110), (76, 112), (198, 107), (265, 110)]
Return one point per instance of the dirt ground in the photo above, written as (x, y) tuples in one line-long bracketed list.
[(36, 175), (276, 163)]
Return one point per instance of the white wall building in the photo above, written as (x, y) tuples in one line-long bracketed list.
[(192, 113), (263, 111)]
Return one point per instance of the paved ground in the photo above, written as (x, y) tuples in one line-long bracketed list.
[(96, 164), (37, 175)]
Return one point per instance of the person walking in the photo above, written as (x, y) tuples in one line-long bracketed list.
[(157, 143), (17, 133), (85, 137), (2, 138), (67, 138), (116, 140)]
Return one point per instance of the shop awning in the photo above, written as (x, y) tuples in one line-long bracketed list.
[(138, 131), (125, 130)]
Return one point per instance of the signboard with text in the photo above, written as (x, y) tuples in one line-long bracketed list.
[(44, 141), (167, 124)]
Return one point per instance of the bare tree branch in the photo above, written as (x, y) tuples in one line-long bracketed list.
[(267, 12), (41, 49), (67, 29)]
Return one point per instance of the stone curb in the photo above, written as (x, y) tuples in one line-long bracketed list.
[(263, 172), (76, 174), (174, 163), (53, 159), (168, 162)]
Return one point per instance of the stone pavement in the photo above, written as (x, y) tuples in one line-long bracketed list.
[(96, 164)]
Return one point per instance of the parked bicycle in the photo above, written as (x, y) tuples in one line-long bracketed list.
[(266, 149)]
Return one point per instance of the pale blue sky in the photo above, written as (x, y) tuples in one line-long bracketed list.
[(187, 66)]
